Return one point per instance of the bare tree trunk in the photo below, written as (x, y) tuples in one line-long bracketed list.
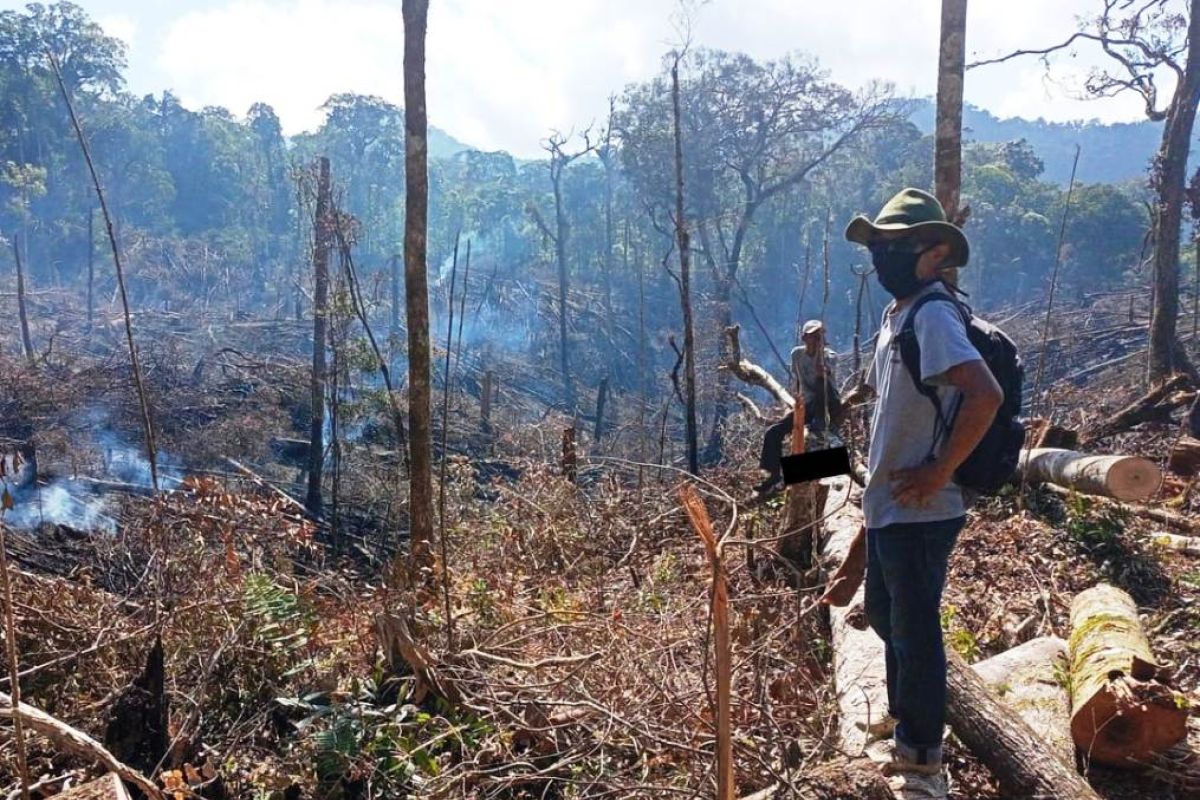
[(683, 241), (394, 265), (22, 310), (316, 450), (416, 223), (561, 232), (1170, 177), (91, 264), (947, 163)]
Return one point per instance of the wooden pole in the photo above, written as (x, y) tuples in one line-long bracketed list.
[(322, 226)]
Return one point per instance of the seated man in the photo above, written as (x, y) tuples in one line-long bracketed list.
[(813, 380)]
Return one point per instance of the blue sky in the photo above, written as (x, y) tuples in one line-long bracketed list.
[(502, 73)]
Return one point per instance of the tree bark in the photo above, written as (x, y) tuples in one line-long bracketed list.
[(803, 505), (1004, 741), (394, 268), (601, 401), (947, 164), (751, 373), (416, 290), (1126, 478), (91, 268), (22, 311), (1121, 713), (562, 232), (683, 241), (321, 236), (1170, 179)]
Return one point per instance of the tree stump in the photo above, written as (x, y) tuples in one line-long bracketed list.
[(1122, 714)]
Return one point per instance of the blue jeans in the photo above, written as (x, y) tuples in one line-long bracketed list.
[(906, 572)]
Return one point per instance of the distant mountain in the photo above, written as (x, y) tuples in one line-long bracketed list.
[(443, 145), (1110, 153)]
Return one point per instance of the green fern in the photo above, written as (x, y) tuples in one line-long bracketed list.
[(282, 619)]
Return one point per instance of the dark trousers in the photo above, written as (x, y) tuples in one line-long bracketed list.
[(824, 403), (906, 572)]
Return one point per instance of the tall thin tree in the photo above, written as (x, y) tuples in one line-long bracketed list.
[(947, 159), (322, 232), (683, 241), (416, 289)]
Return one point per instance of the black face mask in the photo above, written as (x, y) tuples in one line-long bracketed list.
[(896, 271)]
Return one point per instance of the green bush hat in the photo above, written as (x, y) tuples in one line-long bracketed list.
[(917, 213)]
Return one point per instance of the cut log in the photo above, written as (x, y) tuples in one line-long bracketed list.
[(1185, 457), (1122, 714), (1119, 477), (1031, 680)]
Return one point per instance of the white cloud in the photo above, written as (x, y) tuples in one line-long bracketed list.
[(502, 74), (122, 26)]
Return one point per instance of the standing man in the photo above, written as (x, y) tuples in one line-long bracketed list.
[(912, 507), (813, 367)]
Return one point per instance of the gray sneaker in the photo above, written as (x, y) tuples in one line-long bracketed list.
[(918, 785)]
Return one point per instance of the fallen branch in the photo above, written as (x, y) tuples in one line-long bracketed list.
[(751, 373), (1157, 404), (77, 742), (1160, 515)]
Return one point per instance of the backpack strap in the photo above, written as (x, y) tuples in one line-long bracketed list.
[(910, 355)]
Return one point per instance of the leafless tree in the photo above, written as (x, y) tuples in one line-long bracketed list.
[(322, 230), (416, 289), (947, 160), (1143, 40)]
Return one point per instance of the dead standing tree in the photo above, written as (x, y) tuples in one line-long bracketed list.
[(416, 288), (1143, 41), (683, 242), (322, 230), (560, 159)]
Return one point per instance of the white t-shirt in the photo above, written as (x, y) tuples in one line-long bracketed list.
[(904, 422)]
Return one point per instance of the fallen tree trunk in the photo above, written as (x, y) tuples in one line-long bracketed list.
[(1028, 679), (1122, 714), (1157, 404), (76, 742), (1119, 477), (858, 666)]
